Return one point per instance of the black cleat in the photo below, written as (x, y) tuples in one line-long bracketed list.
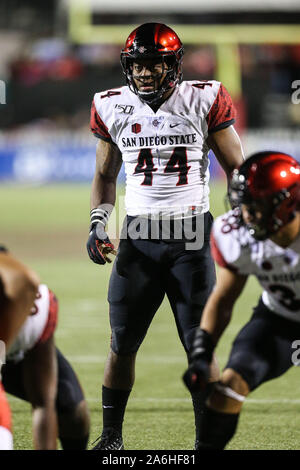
[(109, 440), (201, 446)]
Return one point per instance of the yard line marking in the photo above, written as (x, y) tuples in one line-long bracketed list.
[(261, 401), (155, 359), (92, 359), (87, 359)]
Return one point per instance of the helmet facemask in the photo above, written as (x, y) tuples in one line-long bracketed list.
[(267, 225), (171, 66)]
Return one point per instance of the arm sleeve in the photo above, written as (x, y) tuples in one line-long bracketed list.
[(97, 126), (52, 319), (222, 113)]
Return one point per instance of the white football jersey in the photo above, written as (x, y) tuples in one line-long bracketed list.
[(277, 269), (165, 152), (33, 327)]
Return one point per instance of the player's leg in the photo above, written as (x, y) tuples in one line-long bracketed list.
[(40, 384), (71, 407), (13, 377), (190, 280), (135, 292), (72, 411), (18, 288), (119, 375), (261, 352), (6, 439)]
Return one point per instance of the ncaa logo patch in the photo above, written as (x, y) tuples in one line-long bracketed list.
[(136, 128)]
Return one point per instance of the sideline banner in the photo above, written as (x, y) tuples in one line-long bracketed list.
[(43, 157)]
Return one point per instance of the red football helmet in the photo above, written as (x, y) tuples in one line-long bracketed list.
[(272, 181), (153, 41)]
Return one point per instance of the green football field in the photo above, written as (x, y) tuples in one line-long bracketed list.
[(47, 227)]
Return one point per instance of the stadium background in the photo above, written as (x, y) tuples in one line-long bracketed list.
[(54, 56)]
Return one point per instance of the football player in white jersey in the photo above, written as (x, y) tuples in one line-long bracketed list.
[(261, 236), (35, 370), (162, 128), (18, 288)]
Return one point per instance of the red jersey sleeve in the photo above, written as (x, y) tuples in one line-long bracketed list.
[(98, 127), (217, 255), (52, 319), (222, 113)]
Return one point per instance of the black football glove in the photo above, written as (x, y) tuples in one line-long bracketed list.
[(197, 375), (99, 245)]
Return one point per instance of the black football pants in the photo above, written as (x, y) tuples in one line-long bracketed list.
[(143, 272)]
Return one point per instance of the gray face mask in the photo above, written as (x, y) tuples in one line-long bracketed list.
[(268, 225), (172, 78), (150, 97)]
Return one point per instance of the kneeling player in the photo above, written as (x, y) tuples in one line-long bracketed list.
[(261, 237), (36, 371), (18, 288)]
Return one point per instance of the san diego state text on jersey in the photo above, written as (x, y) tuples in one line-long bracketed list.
[(159, 140)]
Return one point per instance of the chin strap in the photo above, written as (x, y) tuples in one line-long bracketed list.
[(146, 97)]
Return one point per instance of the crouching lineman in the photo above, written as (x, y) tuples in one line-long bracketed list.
[(261, 237), (18, 288), (37, 372)]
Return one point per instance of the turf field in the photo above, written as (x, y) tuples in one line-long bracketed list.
[(47, 227)]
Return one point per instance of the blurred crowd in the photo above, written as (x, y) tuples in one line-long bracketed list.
[(50, 82)]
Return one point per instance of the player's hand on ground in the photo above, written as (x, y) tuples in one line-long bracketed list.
[(197, 375), (99, 245)]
